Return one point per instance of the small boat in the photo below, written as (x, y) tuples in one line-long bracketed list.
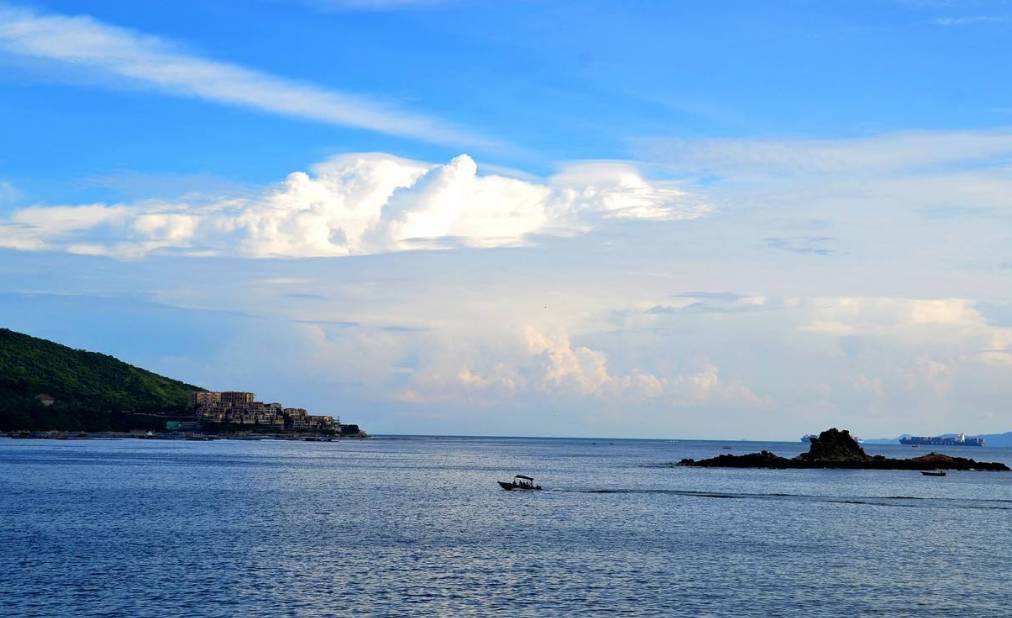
[(519, 482), (933, 472)]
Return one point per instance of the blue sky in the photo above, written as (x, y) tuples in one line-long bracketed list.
[(553, 81), (680, 219)]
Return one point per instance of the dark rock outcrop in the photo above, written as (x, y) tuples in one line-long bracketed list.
[(835, 445), (837, 449)]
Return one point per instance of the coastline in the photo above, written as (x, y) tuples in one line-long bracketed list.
[(168, 435)]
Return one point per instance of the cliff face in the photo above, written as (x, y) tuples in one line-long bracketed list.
[(837, 449)]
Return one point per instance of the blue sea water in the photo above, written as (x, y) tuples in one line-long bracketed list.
[(417, 526)]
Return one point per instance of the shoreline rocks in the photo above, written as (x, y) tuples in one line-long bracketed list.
[(837, 449)]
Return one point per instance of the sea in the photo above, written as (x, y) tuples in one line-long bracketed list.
[(417, 526)]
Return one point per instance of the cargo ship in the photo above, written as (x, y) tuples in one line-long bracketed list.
[(960, 440)]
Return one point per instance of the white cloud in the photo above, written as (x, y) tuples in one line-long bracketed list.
[(490, 343), (969, 20), (954, 330), (617, 191), (914, 214), (851, 316), (917, 364), (374, 5), (354, 205), (928, 374), (8, 194), (532, 362), (881, 365), (83, 42), (558, 366), (876, 155), (706, 388)]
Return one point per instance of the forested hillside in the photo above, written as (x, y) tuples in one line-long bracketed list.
[(45, 385)]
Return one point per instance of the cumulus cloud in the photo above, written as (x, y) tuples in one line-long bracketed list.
[(559, 366), (944, 333), (81, 42), (358, 204), (617, 191), (706, 388), (848, 316), (533, 362), (876, 361)]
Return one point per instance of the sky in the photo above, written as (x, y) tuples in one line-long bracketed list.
[(599, 218)]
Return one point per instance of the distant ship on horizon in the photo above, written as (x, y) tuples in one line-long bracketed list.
[(956, 440)]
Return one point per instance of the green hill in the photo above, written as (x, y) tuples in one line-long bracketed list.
[(45, 385)]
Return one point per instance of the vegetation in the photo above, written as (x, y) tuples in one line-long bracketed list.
[(85, 391)]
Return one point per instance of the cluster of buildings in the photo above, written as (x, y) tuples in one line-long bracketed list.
[(242, 409)]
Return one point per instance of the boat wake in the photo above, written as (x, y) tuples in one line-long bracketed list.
[(890, 501)]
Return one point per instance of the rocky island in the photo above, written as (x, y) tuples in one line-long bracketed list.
[(836, 448)]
